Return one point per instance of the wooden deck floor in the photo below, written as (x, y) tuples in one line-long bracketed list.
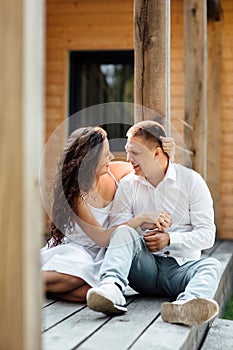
[(69, 326)]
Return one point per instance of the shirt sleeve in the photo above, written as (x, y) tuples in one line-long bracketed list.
[(122, 209), (202, 228)]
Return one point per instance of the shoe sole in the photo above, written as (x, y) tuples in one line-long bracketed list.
[(99, 303), (193, 312)]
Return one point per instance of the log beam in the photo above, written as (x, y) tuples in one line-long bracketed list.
[(150, 57), (214, 109), (195, 35)]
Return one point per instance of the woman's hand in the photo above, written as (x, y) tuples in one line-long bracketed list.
[(164, 221), (155, 220), (169, 146)]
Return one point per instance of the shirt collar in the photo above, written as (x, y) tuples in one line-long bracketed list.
[(171, 172), (170, 175)]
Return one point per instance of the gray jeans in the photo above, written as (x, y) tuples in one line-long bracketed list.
[(128, 261)]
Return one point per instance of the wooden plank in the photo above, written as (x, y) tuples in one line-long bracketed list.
[(102, 42), (94, 31), (141, 313), (227, 188), (166, 336), (70, 332), (68, 7), (195, 34), (224, 253), (47, 302), (56, 312), (219, 336), (150, 57), (54, 90), (74, 21), (54, 101), (228, 176), (74, 330)]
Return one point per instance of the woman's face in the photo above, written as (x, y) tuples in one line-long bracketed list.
[(105, 158)]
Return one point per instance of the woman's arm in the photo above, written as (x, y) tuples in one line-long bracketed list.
[(101, 236)]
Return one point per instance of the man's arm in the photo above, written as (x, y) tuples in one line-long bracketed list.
[(197, 232), (201, 234), (123, 211)]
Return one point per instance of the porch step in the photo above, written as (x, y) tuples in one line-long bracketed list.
[(220, 336), (69, 326)]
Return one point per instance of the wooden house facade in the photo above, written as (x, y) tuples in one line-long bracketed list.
[(88, 25)]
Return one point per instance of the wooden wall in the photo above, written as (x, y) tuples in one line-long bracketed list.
[(80, 25), (227, 122), (99, 25), (103, 24)]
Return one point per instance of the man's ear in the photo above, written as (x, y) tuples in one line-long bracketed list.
[(158, 152)]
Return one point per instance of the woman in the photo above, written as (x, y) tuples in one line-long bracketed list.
[(83, 194)]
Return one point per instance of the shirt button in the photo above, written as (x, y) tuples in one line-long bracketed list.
[(167, 252)]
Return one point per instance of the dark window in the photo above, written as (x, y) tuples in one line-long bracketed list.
[(100, 77)]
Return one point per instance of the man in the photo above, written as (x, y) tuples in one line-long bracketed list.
[(155, 262)]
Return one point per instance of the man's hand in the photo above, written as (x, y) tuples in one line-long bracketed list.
[(156, 240)]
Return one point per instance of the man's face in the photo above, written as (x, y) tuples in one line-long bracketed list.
[(140, 156)]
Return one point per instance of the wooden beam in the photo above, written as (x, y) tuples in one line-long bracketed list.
[(195, 29), (150, 57), (214, 115), (21, 144)]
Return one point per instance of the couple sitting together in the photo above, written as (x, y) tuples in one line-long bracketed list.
[(142, 224)]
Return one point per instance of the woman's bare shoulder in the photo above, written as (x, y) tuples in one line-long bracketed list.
[(119, 169)]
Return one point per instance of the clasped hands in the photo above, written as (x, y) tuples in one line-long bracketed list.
[(157, 238)]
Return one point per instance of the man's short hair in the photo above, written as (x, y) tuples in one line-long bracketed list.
[(149, 130)]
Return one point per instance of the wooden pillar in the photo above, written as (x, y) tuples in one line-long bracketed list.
[(150, 34), (214, 30), (21, 121), (195, 36)]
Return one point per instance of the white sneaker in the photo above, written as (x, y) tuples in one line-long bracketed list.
[(107, 298), (191, 312)]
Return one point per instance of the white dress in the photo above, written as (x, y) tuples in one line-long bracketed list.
[(79, 255)]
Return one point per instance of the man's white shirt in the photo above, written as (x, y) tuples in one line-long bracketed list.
[(184, 195)]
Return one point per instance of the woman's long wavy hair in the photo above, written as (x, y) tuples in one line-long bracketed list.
[(76, 175)]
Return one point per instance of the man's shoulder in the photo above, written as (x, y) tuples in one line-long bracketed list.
[(129, 178), (184, 170), (187, 175)]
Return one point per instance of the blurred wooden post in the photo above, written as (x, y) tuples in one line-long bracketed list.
[(150, 33), (214, 106), (21, 125), (195, 35)]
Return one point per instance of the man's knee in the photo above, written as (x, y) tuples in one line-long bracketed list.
[(124, 229), (216, 265), (125, 235)]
